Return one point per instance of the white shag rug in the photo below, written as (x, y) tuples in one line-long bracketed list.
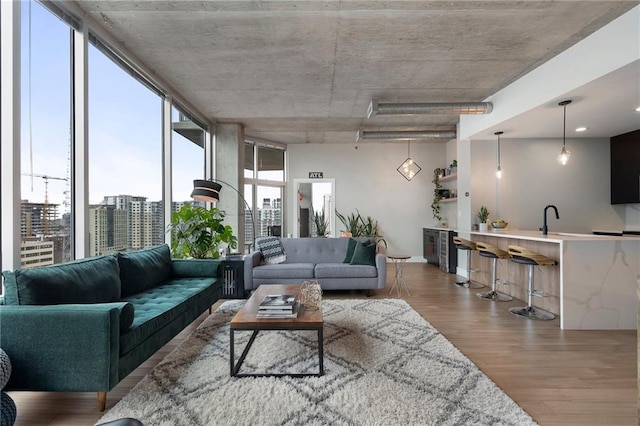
[(384, 365)]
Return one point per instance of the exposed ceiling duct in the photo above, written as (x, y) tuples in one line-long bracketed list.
[(405, 135), (457, 108)]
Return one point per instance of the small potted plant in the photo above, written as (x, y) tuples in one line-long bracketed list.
[(483, 215)]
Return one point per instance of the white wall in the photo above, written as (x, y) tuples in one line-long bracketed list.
[(367, 180), (532, 179)]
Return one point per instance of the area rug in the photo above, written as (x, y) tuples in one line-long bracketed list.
[(384, 365)]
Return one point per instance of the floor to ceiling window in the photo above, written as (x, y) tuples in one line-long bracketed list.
[(45, 137), (125, 159), (187, 161), (265, 180)]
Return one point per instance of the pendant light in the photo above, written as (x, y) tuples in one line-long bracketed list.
[(563, 158), (499, 169), (409, 168)]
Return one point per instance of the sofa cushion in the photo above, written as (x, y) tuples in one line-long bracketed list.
[(158, 306), (364, 254), (144, 269), (271, 249), (91, 280), (351, 246), (284, 270), (340, 270)]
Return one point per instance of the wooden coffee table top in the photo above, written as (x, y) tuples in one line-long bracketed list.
[(246, 317)]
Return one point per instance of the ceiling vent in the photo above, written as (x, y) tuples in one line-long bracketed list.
[(405, 135), (458, 108)]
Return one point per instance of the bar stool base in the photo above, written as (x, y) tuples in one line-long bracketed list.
[(532, 313), (495, 296), (469, 284)]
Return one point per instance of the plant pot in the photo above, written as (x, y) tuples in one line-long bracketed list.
[(482, 227)]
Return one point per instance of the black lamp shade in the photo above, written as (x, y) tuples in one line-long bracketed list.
[(206, 190)]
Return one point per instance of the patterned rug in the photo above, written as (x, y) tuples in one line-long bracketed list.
[(384, 365)]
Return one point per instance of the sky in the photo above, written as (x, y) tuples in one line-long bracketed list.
[(125, 132)]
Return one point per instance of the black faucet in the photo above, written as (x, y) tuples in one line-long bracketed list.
[(545, 228)]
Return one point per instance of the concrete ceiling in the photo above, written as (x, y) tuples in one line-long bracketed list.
[(306, 71)]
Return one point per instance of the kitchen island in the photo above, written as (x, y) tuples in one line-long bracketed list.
[(594, 286)]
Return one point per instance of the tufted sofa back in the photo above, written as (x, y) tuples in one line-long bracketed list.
[(316, 250)]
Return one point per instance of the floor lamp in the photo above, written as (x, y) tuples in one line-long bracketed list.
[(208, 190)]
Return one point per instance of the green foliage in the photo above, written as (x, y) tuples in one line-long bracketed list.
[(361, 227), (321, 222), (483, 214), (435, 204), (198, 232), (350, 222)]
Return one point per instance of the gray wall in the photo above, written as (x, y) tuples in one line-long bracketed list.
[(366, 179), (533, 179)]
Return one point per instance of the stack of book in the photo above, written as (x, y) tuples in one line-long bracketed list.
[(278, 306)]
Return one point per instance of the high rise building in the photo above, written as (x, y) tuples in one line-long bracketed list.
[(269, 215), (107, 229)]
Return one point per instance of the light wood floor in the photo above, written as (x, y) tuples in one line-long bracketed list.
[(559, 377)]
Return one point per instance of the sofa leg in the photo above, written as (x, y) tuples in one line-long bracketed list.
[(368, 293), (102, 401), (209, 310)]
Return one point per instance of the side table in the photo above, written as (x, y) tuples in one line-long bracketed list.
[(399, 261), (233, 279)]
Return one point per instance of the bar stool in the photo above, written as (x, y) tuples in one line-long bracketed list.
[(530, 258), (493, 253), (470, 246)]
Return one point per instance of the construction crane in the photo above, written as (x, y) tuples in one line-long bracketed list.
[(45, 208)]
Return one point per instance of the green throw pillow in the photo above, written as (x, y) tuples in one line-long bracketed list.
[(364, 254), (351, 246), (89, 280), (144, 269)]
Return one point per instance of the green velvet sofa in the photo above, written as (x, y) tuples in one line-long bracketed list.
[(83, 326)]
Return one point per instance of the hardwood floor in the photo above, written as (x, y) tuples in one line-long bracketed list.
[(559, 377)]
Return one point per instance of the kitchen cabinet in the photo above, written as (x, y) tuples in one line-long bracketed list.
[(625, 168)]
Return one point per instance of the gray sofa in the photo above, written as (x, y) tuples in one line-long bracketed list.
[(316, 258)]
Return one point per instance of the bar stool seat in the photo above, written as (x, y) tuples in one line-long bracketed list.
[(470, 246), (493, 253), (530, 258)]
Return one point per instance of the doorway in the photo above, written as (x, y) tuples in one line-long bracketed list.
[(313, 196)]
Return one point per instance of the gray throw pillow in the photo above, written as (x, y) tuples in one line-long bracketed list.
[(271, 249)]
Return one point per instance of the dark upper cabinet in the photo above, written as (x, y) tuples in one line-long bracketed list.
[(625, 168)]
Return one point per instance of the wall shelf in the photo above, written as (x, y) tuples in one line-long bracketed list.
[(449, 177), (449, 200)]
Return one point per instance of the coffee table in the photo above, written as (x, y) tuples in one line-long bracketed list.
[(246, 319)]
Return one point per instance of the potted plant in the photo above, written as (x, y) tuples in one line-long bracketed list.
[(321, 222), (198, 232), (357, 226), (483, 215), (350, 223)]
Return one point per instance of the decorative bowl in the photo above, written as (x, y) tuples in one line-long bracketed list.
[(499, 225)]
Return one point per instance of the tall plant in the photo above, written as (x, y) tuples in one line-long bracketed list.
[(321, 222), (198, 232)]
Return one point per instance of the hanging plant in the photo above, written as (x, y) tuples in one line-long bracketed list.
[(437, 194)]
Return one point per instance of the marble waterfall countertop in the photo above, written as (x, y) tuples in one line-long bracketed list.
[(599, 275), (552, 236)]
